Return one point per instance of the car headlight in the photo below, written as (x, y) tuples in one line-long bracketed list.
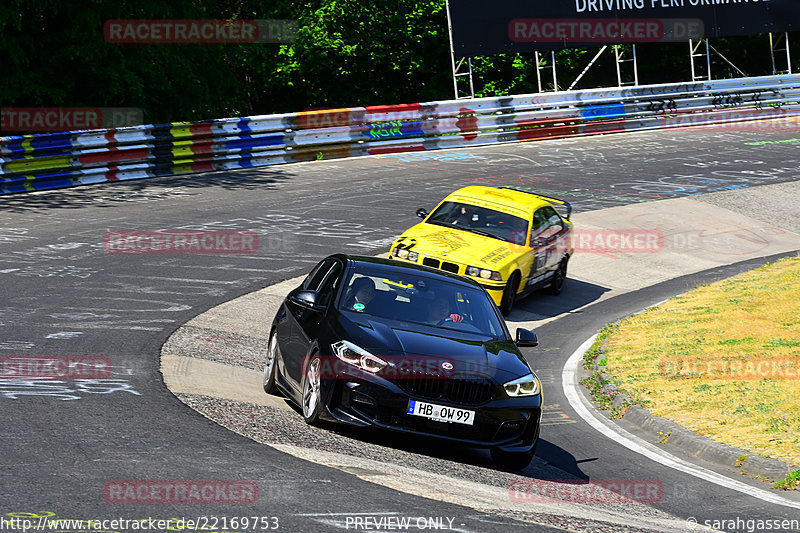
[(525, 386), (358, 357), (484, 273), (404, 253)]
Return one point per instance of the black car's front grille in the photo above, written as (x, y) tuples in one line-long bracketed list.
[(462, 390)]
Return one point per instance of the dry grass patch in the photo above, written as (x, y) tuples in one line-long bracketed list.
[(722, 360)]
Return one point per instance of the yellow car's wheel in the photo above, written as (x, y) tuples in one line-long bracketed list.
[(510, 294), (559, 278)]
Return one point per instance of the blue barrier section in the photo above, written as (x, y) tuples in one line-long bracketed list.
[(253, 141), (603, 111)]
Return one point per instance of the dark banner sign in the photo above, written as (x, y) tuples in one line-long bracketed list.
[(486, 27)]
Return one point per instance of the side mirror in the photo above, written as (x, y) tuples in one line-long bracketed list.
[(526, 338), (307, 299), (422, 212)]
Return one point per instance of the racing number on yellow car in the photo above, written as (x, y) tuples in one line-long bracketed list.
[(541, 262), (405, 242)]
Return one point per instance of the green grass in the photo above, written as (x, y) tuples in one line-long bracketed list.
[(684, 360), (791, 482)]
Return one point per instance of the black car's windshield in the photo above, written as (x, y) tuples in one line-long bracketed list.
[(421, 299), (481, 220)]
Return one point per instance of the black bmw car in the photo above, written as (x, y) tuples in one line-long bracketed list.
[(371, 342)]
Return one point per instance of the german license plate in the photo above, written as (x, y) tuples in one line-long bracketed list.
[(442, 413)]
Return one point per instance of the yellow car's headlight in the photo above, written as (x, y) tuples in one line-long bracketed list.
[(404, 253), (484, 273)]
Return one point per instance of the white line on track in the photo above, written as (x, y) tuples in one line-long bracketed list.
[(582, 407)]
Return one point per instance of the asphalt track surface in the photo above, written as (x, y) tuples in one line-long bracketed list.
[(62, 294)]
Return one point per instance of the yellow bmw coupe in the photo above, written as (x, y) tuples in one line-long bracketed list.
[(511, 241)]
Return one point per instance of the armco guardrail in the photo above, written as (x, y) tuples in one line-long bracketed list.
[(54, 160)]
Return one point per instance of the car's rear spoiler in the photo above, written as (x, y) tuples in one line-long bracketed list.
[(556, 201)]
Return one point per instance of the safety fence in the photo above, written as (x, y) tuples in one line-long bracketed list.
[(55, 160)]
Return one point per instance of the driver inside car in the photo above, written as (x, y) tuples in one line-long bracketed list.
[(466, 217), (439, 312), (361, 293)]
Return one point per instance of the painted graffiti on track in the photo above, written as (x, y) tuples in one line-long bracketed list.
[(718, 180), (21, 378), (75, 389)]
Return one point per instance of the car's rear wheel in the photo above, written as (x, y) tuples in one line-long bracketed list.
[(269, 366), (312, 392), (510, 294), (559, 278)]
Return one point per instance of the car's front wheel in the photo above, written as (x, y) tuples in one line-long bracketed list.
[(269, 366), (510, 294), (312, 392)]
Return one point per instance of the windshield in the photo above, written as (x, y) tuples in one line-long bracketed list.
[(421, 300), (481, 220)]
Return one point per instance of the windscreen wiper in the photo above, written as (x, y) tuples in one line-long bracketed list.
[(484, 233)]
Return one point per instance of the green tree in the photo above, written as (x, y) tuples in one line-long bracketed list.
[(347, 53)]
